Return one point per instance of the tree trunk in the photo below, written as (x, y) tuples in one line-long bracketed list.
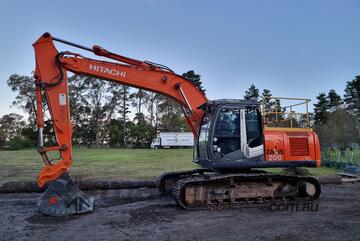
[(124, 116)]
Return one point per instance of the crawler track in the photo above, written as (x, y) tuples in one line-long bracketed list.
[(247, 189), (167, 180)]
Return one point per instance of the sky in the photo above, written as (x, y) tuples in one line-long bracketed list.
[(294, 48)]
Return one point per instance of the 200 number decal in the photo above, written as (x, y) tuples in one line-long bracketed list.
[(275, 157), (275, 154)]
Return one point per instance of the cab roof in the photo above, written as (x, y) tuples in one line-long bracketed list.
[(230, 103)]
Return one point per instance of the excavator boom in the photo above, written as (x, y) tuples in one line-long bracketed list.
[(51, 79)]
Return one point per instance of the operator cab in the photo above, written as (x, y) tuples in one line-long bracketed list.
[(231, 135)]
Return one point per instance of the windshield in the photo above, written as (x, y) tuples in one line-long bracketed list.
[(227, 131), (204, 136)]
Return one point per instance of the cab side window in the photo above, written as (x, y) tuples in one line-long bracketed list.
[(253, 127)]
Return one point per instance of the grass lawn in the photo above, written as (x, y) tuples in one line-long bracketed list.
[(25, 165)]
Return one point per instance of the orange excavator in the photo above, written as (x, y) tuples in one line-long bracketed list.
[(231, 140)]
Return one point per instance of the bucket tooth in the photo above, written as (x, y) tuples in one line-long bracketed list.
[(62, 198)]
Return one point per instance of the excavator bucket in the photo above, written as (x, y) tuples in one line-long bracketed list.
[(62, 198)]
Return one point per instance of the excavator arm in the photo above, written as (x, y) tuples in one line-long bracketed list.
[(51, 81)]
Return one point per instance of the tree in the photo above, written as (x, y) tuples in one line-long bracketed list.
[(79, 108), (352, 96), (11, 126), (30, 134), (279, 112), (157, 106), (124, 110), (267, 101), (2, 138), (18, 142), (117, 133), (139, 100), (267, 105), (303, 120), (101, 102), (170, 113), (171, 117), (321, 109), (292, 120), (94, 105), (139, 118), (172, 122), (150, 106), (141, 134), (95, 102), (25, 98), (252, 93), (340, 131), (195, 78), (113, 100), (334, 100)]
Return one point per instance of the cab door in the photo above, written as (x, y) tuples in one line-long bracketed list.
[(252, 137)]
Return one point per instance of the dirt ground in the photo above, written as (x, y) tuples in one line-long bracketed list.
[(145, 215)]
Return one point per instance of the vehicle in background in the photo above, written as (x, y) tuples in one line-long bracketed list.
[(173, 139)]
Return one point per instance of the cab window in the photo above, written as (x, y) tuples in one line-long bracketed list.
[(253, 127), (227, 131)]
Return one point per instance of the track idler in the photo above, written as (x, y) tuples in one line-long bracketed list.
[(62, 198)]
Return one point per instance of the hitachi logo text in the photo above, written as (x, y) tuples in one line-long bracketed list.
[(105, 70)]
